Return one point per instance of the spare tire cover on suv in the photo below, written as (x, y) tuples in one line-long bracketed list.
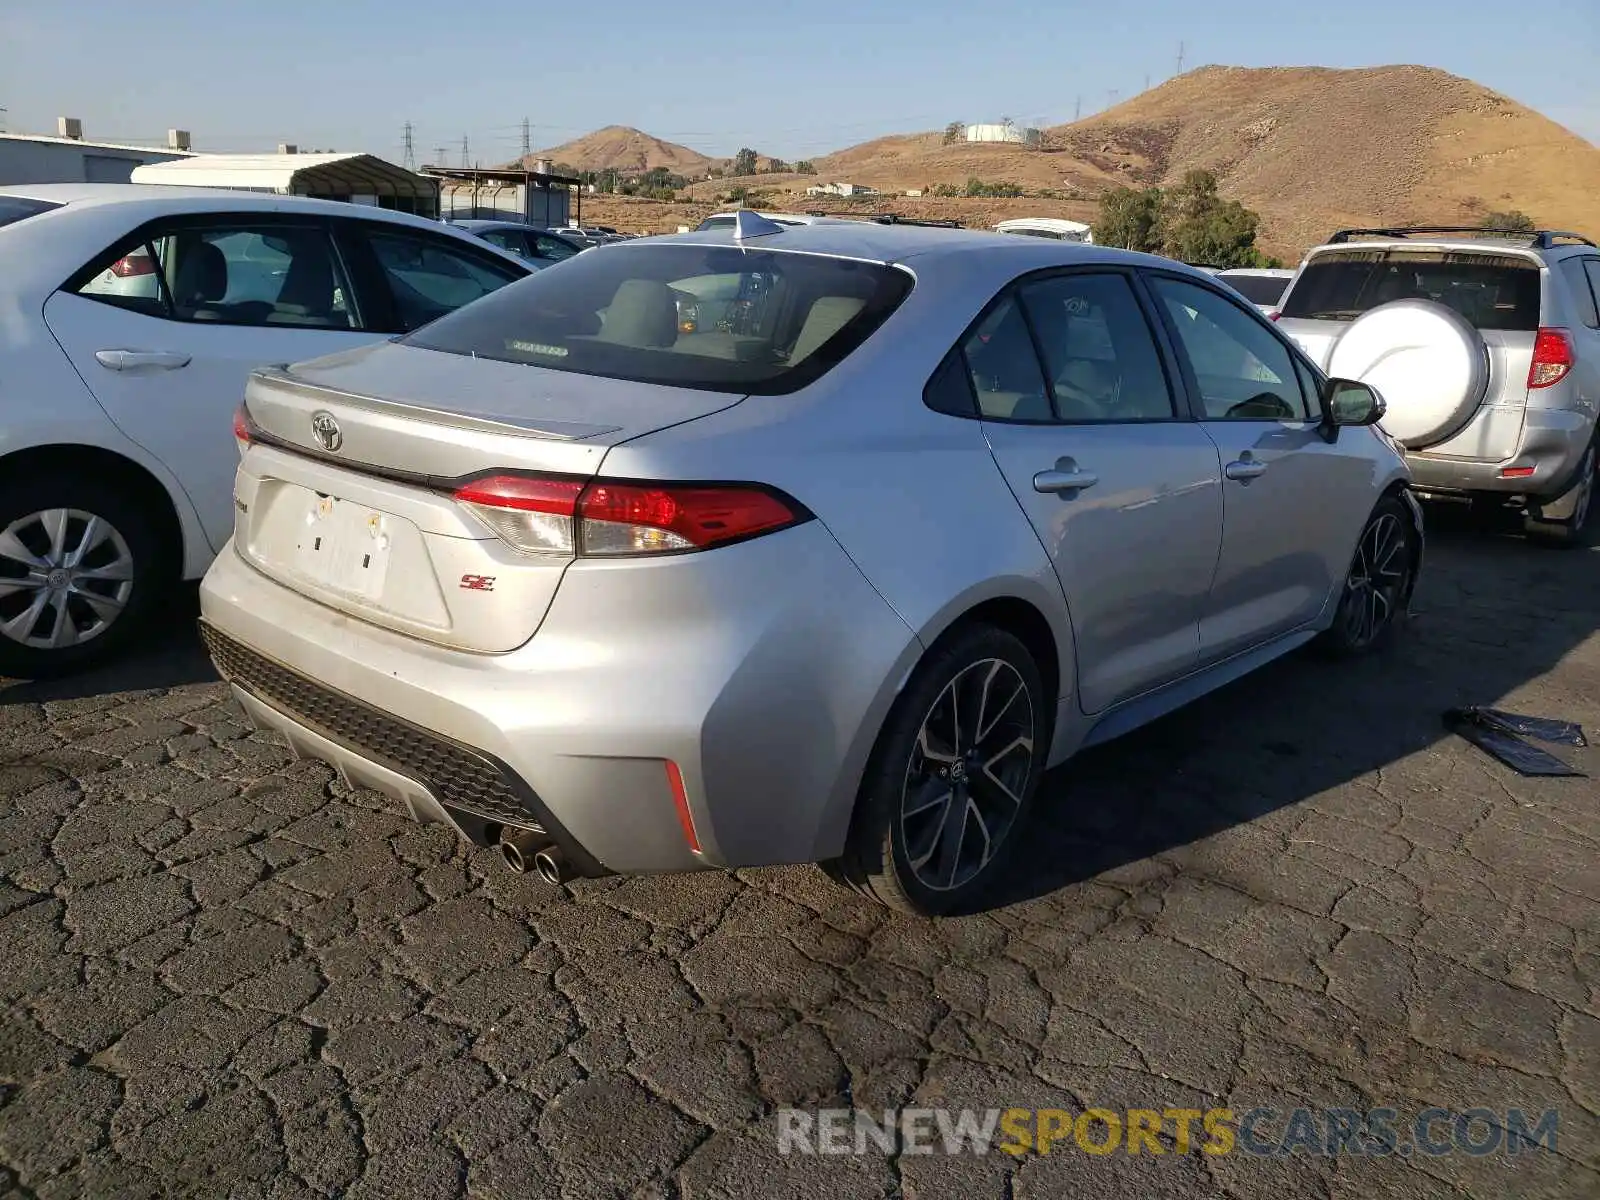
[(1427, 362)]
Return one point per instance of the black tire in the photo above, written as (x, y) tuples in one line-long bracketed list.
[(878, 860), (151, 569), (1373, 603), (1574, 528)]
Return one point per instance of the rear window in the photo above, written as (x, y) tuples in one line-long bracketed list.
[(1493, 291), (17, 208), (1258, 289), (714, 318)]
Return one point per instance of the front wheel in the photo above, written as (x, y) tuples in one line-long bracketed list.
[(952, 778), (80, 568), (1378, 585)]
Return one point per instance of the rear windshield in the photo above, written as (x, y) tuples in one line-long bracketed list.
[(714, 318), (1258, 289), (1493, 291), (16, 208)]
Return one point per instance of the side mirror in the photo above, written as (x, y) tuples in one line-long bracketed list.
[(1350, 402)]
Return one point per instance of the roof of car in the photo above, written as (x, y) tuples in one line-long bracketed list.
[(196, 199), (901, 243)]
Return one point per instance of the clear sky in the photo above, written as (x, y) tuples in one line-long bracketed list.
[(792, 80)]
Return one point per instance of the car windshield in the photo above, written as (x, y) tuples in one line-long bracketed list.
[(1258, 289), (1493, 291), (17, 208), (714, 318)]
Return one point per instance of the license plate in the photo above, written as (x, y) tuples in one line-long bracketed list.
[(345, 547)]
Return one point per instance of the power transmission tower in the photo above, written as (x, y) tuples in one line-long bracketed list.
[(3, 111), (1180, 58), (410, 160), (441, 155), (1147, 81), (465, 154), (1077, 108), (527, 145)]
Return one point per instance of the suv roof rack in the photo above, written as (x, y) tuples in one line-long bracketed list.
[(1538, 239)]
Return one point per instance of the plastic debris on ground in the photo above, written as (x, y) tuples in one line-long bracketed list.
[(1500, 734)]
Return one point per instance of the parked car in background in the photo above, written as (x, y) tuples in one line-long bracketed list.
[(1047, 227), (537, 247), (795, 585), (586, 237), (726, 220), (137, 312), (1486, 345), (1262, 286)]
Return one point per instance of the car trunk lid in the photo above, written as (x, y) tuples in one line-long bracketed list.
[(346, 488)]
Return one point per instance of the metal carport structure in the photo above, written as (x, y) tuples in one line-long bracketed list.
[(356, 178)]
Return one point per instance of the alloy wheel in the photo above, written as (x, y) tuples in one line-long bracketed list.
[(65, 578), (968, 774), (1375, 588)]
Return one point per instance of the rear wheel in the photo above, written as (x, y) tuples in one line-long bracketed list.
[(81, 568), (1378, 585), (952, 778), (1564, 520)]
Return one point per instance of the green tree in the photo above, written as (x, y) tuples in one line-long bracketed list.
[(744, 162), (1512, 219), (805, 167), (1196, 224), (954, 132), (1129, 218)]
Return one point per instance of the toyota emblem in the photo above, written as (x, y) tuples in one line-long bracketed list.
[(326, 430)]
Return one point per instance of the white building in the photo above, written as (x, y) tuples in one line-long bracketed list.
[(841, 189), (1006, 131), (68, 158)]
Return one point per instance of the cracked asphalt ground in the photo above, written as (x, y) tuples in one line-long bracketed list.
[(222, 973)]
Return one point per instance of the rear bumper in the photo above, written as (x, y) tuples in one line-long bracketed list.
[(763, 671), (1552, 445)]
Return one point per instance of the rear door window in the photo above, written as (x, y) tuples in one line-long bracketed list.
[(1099, 353), (1492, 291), (715, 318), (1258, 289)]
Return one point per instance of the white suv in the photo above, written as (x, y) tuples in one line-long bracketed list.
[(134, 316), (1484, 343)]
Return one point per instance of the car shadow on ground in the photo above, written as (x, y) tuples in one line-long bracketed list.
[(1503, 614), (169, 654)]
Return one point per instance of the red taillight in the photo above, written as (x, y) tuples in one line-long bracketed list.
[(133, 264), (540, 514), (1516, 472), (1552, 357), (243, 426)]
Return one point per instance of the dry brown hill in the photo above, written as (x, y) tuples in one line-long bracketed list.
[(626, 149), (1310, 148)]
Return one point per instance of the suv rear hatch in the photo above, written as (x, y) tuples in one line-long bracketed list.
[(348, 487), (1496, 292)]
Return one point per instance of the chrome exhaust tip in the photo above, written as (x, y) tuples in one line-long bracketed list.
[(552, 865), (520, 849)]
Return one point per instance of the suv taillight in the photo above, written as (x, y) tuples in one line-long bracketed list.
[(542, 514), (1552, 357), (243, 427)]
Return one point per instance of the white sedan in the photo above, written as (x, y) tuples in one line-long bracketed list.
[(130, 317)]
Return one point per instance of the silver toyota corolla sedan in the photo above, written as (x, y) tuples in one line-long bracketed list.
[(793, 544)]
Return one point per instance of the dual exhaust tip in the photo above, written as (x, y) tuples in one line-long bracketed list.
[(524, 850)]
